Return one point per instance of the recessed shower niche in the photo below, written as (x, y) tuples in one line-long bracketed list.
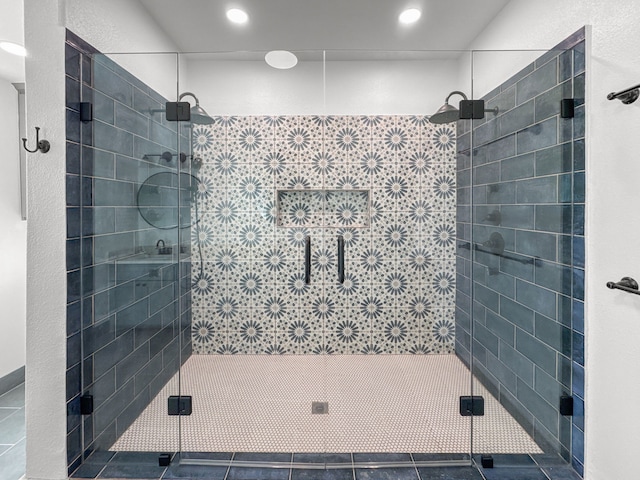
[(323, 208)]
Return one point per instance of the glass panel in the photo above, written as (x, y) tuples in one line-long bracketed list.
[(526, 234), (130, 243), (255, 371)]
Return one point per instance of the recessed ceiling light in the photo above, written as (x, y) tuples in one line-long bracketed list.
[(236, 15), (13, 48), (410, 15), (281, 59)]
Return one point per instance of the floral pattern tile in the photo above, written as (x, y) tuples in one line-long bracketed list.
[(386, 184)]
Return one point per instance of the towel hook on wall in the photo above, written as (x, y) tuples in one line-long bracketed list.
[(42, 145)]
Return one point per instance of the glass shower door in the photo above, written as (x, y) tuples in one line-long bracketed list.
[(527, 183), (255, 375), (129, 235)]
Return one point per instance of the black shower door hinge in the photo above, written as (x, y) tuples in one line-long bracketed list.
[(179, 405), (472, 406), (86, 111), (178, 111), (471, 109), (86, 404), (566, 405), (567, 108)]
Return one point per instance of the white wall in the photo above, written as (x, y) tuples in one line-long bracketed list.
[(612, 227), (13, 241), (383, 87), (111, 26), (124, 27)]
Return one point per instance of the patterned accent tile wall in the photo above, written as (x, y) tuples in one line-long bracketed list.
[(520, 313), (249, 291)]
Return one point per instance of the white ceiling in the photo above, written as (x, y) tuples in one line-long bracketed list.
[(201, 25), (12, 30)]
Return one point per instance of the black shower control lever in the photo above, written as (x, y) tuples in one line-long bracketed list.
[(340, 259)]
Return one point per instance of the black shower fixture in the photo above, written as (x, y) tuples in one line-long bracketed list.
[(626, 96), (469, 109), (198, 114)]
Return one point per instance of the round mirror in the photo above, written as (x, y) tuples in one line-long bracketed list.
[(160, 195)]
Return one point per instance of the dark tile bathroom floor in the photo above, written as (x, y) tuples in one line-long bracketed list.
[(137, 465), (12, 434)]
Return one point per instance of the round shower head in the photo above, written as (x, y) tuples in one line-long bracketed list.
[(447, 113), (198, 114)]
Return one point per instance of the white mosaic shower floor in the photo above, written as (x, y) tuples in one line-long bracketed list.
[(377, 403)]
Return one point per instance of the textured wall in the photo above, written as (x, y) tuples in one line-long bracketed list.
[(521, 175), (398, 296)]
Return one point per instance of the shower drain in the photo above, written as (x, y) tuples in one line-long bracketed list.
[(319, 407)]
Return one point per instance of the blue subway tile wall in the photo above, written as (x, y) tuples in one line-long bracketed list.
[(525, 177), (387, 184), (128, 322)]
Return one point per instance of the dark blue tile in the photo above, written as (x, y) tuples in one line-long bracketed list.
[(553, 218), (577, 450), (578, 58), (73, 158), (112, 139), (497, 150), (522, 166), (561, 473), (543, 356), (577, 380), (262, 457), (73, 190), (518, 76), (73, 254), (540, 80), (72, 126), (578, 219), (131, 121), (132, 470), (518, 118), (322, 458), (577, 318), (536, 244), (401, 473), (578, 283), (538, 136), (206, 455), (72, 61), (308, 474), (111, 84), (578, 155), (578, 412), (565, 65), (579, 187), (193, 472), (578, 123), (381, 457), (73, 222), (518, 363), (554, 277), (87, 470), (509, 473), (537, 190), (555, 159), (239, 473)]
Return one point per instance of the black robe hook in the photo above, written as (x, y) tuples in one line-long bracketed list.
[(43, 145)]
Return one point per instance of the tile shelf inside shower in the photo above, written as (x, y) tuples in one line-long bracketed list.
[(320, 208)]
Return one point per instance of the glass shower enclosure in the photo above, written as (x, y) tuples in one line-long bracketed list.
[(319, 276)]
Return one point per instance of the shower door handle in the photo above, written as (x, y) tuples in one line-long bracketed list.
[(340, 259), (307, 260)]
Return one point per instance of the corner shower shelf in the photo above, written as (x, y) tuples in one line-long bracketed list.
[(323, 208)]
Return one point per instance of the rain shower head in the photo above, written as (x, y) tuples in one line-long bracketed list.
[(448, 113), (198, 114)]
